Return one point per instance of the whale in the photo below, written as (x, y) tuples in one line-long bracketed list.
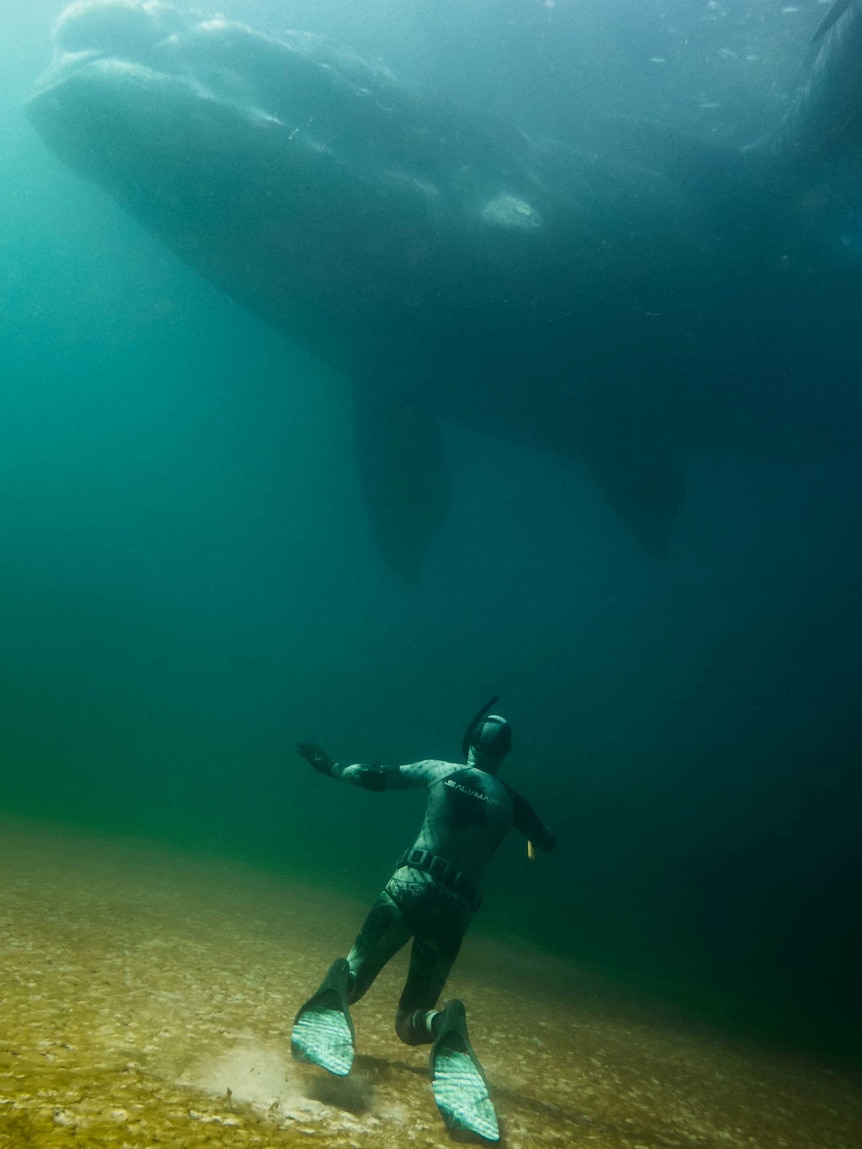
[(632, 305)]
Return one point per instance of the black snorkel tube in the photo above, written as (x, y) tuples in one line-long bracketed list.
[(474, 722)]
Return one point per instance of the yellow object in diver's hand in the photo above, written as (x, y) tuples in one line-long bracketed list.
[(531, 849)]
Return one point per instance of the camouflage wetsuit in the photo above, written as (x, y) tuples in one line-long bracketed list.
[(435, 888)]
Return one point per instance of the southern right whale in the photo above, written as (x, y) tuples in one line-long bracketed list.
[(633, 305)]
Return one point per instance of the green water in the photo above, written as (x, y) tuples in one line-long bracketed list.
[(189, 586)]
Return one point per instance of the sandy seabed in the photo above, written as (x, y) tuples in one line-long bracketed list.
[(146, 999)]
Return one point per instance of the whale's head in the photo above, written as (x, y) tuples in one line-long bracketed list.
[(139, 74), (315, 168)]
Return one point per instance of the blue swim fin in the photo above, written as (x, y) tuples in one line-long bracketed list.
[(323, 1030), (458, 1080)]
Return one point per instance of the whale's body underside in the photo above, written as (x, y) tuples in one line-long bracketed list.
[(631, 309)]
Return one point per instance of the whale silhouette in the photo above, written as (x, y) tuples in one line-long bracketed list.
[(631, 306)]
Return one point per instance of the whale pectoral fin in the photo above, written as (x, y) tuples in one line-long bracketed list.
[(646, 490), (403, 473)]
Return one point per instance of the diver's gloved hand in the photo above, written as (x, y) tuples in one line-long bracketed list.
[(316, 756)]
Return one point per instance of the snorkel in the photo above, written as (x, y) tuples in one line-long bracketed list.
[(474, 722)]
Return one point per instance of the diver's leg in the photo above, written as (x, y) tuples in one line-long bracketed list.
[(383, 934), (431, 959), (323, 1029)]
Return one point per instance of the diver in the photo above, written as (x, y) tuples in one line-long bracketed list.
[(430, 897)]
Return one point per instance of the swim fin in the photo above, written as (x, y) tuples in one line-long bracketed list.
[(458, 1080), (323, 1030)]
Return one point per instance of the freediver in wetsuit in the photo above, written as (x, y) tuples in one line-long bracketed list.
[(430, 897)]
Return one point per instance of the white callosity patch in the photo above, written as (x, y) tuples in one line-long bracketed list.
[(511, 212)]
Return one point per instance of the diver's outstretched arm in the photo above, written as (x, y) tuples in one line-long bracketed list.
[(368, 776), (371, 775)]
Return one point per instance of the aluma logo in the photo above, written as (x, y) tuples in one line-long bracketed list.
[(466, 790)]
